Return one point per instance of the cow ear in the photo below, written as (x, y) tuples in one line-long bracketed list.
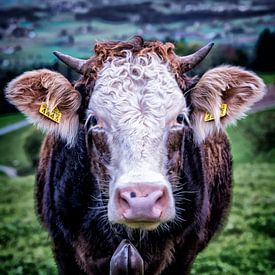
[(49, 101), (226, 86)]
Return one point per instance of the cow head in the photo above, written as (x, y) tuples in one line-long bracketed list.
[(137, 103)]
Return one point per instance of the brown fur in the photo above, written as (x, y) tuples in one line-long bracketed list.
[(175, 146), (85, 259), (44, 159), (167, 256), (217, 165), (30, 89), (100, 156)]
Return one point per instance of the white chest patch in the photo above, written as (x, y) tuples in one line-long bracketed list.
[(136, 98)]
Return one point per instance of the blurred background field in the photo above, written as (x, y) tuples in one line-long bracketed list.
[(244, 35)]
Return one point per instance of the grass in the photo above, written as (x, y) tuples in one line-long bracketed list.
[(269, 78), (8, 119), (24, 245), (245, 246), (12, 149), (252, 138)]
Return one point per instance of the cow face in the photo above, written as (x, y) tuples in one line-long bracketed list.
[(135, 103), (135, 114)]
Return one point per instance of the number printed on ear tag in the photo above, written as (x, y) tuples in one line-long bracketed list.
[(55, 115), (223, 112)]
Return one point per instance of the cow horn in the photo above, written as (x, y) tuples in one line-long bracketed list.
[(74, 63), (188, 62)]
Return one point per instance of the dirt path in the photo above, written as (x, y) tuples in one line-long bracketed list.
[(9, 171), (267, 102), (13, 127)]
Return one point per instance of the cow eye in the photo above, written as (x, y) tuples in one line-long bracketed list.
[(90, 122), (180, 119), (93, 121)]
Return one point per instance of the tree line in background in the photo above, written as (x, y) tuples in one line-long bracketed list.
[(265, 52), (262, 60)]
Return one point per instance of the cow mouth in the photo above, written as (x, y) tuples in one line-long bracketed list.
[(144, 225)]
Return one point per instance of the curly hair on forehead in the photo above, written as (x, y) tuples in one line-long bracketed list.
[(113, 49), (137, 45)]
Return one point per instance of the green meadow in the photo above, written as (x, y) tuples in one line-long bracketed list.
[(8, 119), (246, 245)]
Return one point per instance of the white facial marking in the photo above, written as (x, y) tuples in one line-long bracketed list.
[(137, 97)]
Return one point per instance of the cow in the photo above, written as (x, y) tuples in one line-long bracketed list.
[(135, 154)]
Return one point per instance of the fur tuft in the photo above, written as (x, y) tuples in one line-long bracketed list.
[(30, 89), (236, 87)]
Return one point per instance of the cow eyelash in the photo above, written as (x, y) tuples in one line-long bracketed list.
[(183, 119), (87, 122), (91, 121)]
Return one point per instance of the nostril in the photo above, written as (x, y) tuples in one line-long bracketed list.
[(158, 201), (162, 200), (122, 201), (124, 204), (133, 195)]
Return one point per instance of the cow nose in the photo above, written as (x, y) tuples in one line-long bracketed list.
[(142, 203)]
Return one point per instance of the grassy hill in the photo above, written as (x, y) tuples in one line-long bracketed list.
[(246, 245)]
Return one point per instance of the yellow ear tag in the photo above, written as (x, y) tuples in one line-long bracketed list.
[(55, 115), (223, 112)]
